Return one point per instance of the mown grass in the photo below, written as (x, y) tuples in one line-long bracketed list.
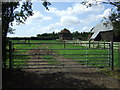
[(20, 61), (90, 60), (86, 59), (116, 59)]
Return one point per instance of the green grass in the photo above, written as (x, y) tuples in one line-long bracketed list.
[(116, 59), (20, 60), (87, 59), (82, 58)]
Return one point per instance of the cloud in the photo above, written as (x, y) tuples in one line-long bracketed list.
[(96, 17), (69, 20), (50, 28), (34, 30), (69, 16), (105, 14), (36, 18), (75, 10), (85, 29), (90, 19)]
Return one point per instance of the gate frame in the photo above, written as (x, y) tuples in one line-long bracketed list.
[(10, 54), (112, 55), (111, 58)]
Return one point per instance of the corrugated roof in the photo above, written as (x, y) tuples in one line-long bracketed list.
[(101, 27)]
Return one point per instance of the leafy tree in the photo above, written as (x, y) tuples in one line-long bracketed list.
[(80, 36), (48, 36), (114, 18), (76, 35), (9, 15)]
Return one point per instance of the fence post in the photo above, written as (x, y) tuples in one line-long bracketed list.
[(10, 55), (28, 41), (119, 55), (104, 44), (112, 55), (64, 45), (81, 42), (89, 43), (98, 44)]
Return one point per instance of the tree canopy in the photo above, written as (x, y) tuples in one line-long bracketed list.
[(114, 18), (9, 15)]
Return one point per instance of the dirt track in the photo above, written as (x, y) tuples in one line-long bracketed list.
[(59, 78)]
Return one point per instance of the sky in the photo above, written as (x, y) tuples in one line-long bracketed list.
[(71, 15)]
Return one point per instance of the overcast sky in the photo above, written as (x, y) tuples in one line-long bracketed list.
[(71, 15)]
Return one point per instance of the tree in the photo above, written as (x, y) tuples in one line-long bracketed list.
[(46, 4), (9, 15), (114, 18)]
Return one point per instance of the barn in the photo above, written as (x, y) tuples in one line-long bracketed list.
[(103, 32), (65, 34)]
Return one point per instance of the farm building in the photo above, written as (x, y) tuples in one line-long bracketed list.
[(103, 32), (65, 34)]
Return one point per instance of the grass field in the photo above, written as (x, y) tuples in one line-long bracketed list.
[(94, 57)]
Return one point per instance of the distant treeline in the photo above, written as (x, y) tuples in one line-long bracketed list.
[(75, 35), (48, 36), (81, 35), (54, 36)]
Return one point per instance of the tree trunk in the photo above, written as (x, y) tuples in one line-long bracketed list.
[(4, 43)]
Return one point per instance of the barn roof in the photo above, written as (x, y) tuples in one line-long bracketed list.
[(65, 31), (101, 27)]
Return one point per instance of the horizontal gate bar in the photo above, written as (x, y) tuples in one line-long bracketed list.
[(61, 43), (60, 58), (60, 67), (65, 61), (60, 64), (55, 54), (69, 49)]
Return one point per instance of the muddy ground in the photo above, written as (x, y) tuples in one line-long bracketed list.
[(58, 78)]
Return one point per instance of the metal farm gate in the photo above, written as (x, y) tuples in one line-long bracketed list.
[(59, 54)]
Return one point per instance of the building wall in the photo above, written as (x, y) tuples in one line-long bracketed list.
[(65, 36), (60, 36), (107, 36)]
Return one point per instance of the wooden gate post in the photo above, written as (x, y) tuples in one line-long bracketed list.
[(112, 55), (104, 44), (89, 43), (119, 55), (93, 44), (10, 55), (98, 44)]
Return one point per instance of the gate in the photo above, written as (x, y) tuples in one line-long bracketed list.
[(59, 54)]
